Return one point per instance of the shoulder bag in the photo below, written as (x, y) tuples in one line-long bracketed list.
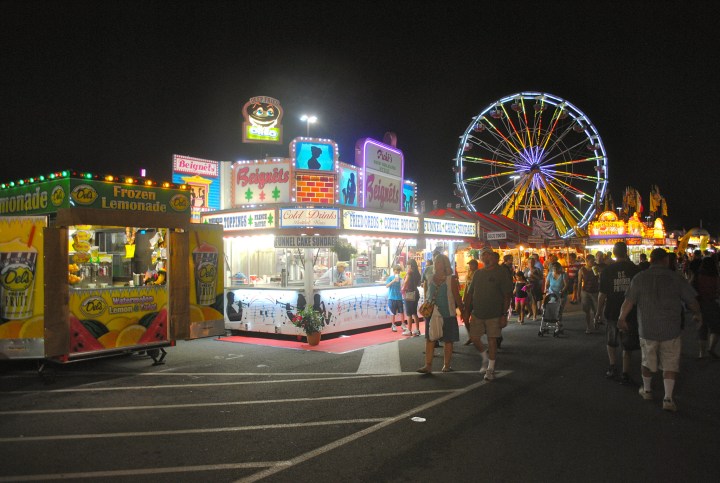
[(435, 331)]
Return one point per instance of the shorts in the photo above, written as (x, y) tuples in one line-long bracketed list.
[(589, 301), (396, 306), (630, 339), (667, 351), (480, 327), (520, 300), (411, 307)]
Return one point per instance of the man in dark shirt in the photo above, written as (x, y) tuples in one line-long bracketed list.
[(614, 282), (644, 264)]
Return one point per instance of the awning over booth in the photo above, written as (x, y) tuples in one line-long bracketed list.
[(497, 231)]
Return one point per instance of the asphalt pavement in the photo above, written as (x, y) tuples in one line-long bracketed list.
[(218, 411)]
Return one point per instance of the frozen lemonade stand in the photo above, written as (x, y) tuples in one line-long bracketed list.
[(94, 265)]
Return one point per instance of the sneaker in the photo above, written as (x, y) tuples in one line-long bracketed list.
[(669, 405), (483, 369), (404, 327), (416, 333), (626, 380), (647, 395), (490, 375), (393, 328), (611, 372), (406, 332)]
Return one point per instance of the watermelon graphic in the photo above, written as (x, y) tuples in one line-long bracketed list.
[(157, 327), (83, 336)]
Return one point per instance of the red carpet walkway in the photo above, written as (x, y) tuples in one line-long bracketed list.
[(335, 345)]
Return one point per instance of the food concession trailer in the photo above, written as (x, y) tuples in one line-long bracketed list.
[(92, 266)]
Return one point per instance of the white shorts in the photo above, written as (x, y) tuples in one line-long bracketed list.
[(667, 351)]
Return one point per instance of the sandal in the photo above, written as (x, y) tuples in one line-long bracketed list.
[(447, 369), (424, 370)]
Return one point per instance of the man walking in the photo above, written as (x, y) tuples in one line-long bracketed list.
[(614, 282), (588, 288), (572, 273), (659, 294), (492, 288)]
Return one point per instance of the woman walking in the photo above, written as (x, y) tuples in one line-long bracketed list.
[(444, 289), (411, 295)]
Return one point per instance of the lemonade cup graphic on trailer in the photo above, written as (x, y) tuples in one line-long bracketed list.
[(17, 279), (205, 258)]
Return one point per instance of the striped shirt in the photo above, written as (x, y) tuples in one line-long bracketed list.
[(658, 293)]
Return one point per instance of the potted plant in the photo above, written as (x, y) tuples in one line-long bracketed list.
[(344, 250), (311, 322)]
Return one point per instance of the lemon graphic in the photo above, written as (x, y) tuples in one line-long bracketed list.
[(119, 323), (110, 339), (196, 314), (33, 328), (210, 313), (130, 335), (10, 330)]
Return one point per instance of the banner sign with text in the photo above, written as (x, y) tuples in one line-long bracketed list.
[(49, 196), (380, 222), (303, 241), (438, 226), (309, 218), (247, 220)]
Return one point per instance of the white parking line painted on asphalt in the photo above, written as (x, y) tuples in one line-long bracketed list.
[(31, 412), (144, 471), (381, 359), (175, 432), (335, 377), (350, 438)]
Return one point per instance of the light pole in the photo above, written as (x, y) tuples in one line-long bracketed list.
[(308, 120)]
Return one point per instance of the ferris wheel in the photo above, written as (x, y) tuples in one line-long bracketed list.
[(533, 155)]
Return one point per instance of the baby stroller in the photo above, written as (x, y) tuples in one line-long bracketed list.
[(551, 315)]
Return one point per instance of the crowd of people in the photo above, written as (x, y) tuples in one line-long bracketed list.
[(643, 306)]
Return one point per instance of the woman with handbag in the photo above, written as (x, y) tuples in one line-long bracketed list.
[(411, 295), (444, 291)]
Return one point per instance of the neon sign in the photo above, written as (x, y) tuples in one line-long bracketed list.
[(262, 120)]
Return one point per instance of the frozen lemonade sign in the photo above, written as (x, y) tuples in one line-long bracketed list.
[(262, 120), (261, 181), (383, 166)]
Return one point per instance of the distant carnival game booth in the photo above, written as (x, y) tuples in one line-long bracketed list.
[(311, 231), (94, 265)]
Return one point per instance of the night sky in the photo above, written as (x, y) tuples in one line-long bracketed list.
[(115, 86)]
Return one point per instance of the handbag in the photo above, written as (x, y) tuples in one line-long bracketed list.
[(436, 325), (410, 296), (426, 309)]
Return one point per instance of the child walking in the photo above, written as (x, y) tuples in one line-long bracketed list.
[(520, 292), (395, 301)]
